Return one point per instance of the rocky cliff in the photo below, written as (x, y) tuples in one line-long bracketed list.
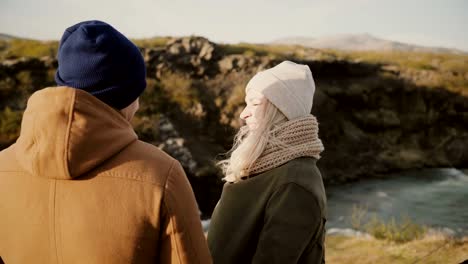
[(373, 118)]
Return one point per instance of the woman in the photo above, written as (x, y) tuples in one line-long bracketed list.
[(273, 206)]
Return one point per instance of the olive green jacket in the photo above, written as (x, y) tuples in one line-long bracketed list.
[(274, 217)]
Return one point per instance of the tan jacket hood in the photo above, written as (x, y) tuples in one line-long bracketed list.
[(67, 132), (78, 187)]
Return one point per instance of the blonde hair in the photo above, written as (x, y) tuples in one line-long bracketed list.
[(250, 144)]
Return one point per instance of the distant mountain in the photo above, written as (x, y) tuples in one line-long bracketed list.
[(7, 37), (360, 42)]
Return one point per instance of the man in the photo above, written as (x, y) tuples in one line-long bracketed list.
[(78, 186)]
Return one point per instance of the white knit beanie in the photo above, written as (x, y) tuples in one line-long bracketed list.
[(289, 86)]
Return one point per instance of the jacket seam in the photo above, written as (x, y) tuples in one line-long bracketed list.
[(67, 134), (173, 228), (34, 139), (193, 251), (59, 228), (284, 185), (132, 179), (102, 175), (167, 177), (49, 237), (55, 220)]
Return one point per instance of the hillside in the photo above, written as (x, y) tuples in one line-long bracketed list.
[(379, 112), (360, 42), (6, 37)]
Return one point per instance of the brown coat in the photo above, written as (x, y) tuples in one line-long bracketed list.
[(79, 187)]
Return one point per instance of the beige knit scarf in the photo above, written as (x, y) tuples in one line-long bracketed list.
[(300, 138)]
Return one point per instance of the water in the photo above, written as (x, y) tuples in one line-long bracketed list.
[(437, 198)]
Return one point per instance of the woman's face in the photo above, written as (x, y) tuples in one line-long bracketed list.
[(254, 110)]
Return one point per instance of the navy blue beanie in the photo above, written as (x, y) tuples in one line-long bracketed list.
[(95, 57)]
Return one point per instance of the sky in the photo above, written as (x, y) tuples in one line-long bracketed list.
[(442, 23)]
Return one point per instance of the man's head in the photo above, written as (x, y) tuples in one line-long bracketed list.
[(95, 57)]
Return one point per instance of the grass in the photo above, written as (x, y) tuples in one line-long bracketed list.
[(276, 51), (251, 49), (180, 90), (27, 48), (396, 230), (403, 230), (429, 249), (10, 123), (414, 60), (425, 69), (445, 70), (393, 241), (155, 42), (36, 49)]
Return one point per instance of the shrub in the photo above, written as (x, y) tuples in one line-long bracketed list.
[(145, 127), (179, 90), (396, 230), (153, 100), (10, 123), (402, 230), (358, 216)]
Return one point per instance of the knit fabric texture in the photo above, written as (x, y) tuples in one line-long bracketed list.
[(289, 86), (301, 140), (95, 57)]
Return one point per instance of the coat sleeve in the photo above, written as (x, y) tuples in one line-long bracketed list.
[(293, 223), (182, 239)]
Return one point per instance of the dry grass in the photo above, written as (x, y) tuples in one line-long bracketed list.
[(399, 230), (445, 70), (151, 42), (430, 249), (426, 69), (415, 60), (448, 71), (180, 90), (10, 122), (27, 48)]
